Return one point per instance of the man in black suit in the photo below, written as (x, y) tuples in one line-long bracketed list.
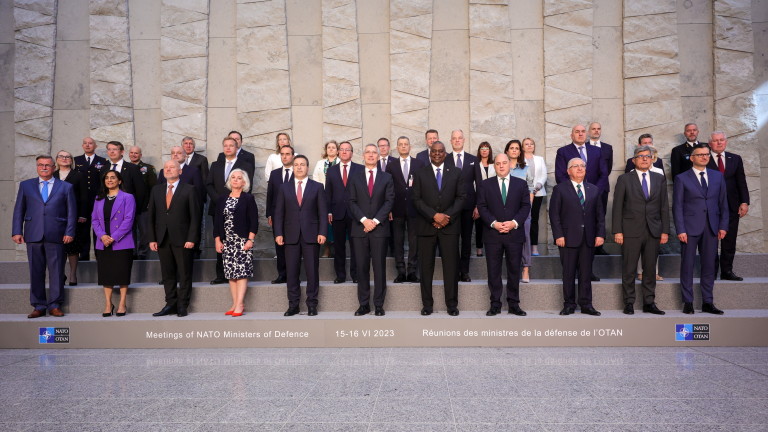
[(89, 164), (645, 139), (465, 162), (681, 155), (242, 153), (141, 226), (174, 218), (606, 155), (215, 186), (339, 216), (502, 201), (300, 224), (404, 215), (731, 167), (640, 225), (438, 195), (578, 226), (189, 174), (430, 137), (371, 195), (277, 178), (384, 158), (133, 182), (193, 159)]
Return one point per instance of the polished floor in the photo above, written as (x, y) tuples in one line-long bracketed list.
[(386, 389)]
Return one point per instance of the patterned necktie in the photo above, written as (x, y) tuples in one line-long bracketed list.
[(114, 167), (287, 177), (503, 191), (169, 196), (439, 179), (383, 164), (298, 194), (581, 195), (720, 165), (44, 191), (344, 175), (459, 164), (405, 171), (583, 155), (645, 187), (703, 183)]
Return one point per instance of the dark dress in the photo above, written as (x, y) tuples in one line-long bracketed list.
[(114, 266), (238, 263), (76, 179)]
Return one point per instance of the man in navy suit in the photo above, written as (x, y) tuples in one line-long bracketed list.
[(339, 216), (430, 137), (404, 215), (578, 226), (731, 167), (502, 201), (371, 195), (193, 159), (133, 182), (277, 178), (700, 209), (384, 158), (465, 162), (606, 154), (300, 223), (44, 217), (241, 152), (89, 164)]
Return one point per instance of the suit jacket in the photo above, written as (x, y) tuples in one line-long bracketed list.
[(658, 164), (403, 205), (243, 154), (389, 160), (300, 223), (693, 210), (424, 156), (201, 163), (632, 213), (180, 222), (335, 193), (468, 174), (133, 183), (492, 208), (376, 206), (680, 159), (276, 180), (215, 183), (50, 221), (735, 180), (120, 221), (92, 174), (80, 188), (428, 200), (568, 219), (606, 154), (245, 218), (597, 170), (149, 174), (191, 176)]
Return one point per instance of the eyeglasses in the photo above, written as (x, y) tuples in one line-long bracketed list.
[(643, 157), (63, 157), (45, 165), (700, 155), (577, 166)]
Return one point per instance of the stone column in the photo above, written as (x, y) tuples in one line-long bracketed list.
[(144, 30), (760, 33), (222, 75), (375, 89)]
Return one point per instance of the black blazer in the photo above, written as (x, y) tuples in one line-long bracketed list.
[(389, 160), (568, 219), (245, 217), (133, 183), (243, 154), (201, 163), (606, 155), (428, 200), (276, 180), (335, 193), (91, 174), (492, 208), (680, 159), (77, 180), (376, 207), (424, 156), (300, 224), (735, 180), (403, 205), (468, 174), (181, 222), (658, 164), (191, 176), (215, 182), (632, 212)]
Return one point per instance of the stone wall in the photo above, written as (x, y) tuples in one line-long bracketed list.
[(149, 72)]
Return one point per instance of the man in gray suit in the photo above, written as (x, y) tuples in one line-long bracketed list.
[(640, 225)]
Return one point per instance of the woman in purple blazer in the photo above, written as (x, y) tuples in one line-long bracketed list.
[(113, 214)]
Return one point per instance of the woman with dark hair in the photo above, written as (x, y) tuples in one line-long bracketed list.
[(538, 171), (521, 170), (112, 219), (74, 177), (273, 161), (329, 158), (483, 170)]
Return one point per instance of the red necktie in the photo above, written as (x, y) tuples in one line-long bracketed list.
[(169, 196), (298, 194), (370, 183), (720, 165), (344, 176)]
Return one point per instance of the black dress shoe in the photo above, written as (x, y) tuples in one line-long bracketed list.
[(652, 308), (363, 310), (567, 310), (219, 281), (463, 277), (629, 309), (312, 310), (400, 278), (339, 280), (379, 311), (279, 280), (600, 251), (413, 278), (493, 311), (182, 312), (595, 278), (453, 312), (166, 310), (589, 310), (731, 276), (710, 308), (688, 308), (515, 310), (425, 311), (291, 311), (354, 280)]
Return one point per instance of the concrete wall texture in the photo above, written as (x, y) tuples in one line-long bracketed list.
[(148, 72)]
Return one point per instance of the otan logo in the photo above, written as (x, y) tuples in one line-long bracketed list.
[(691, 332), (50, 335)]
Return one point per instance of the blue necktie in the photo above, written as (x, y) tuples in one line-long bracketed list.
[(459, 164), (583, 156), (44, 191), (703, 183), (439, 179), (645, 187)]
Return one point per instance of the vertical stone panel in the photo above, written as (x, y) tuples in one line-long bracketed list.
[(305, 55)]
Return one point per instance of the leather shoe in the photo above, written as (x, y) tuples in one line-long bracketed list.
[(705, 307), (595, 278), (515, 310), (312, 310), (182, 312), (291, 311), (688, 308), (363, 310), (413, 278), (589, 310), (166, 310), (463, 277), (400, 278), (630, 310), (567, 310), (339, 280), (453, 312), (56, 312), (37, 313), (731, 276), (379, 311), (219, 281), (354, 280), (425, 311), (493, 311), (279, 280), (652, 308)]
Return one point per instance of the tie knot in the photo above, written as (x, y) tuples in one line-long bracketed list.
[(300, 182), (170, 187), (701, 173)]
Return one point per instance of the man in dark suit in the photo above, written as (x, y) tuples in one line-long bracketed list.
[(277, 178), (606, 154), (430, 137), (300, 224), (731, 167), (189, 174), (640, 225), (174, 218), (371, 195), (404, 215), (578, 226), (133, 182), (89, 164), (141, 226), (502, 201), (465, 162), (339, 216), (700, 209), (645, 139), (44, 217), (216, 186), (384, 158), (438, 195), (242, 153), (681, 155), (193, 159)]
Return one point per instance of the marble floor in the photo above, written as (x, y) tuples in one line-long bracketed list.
[(386, 389)]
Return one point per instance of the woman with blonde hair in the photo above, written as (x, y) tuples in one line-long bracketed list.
[(273, 161)]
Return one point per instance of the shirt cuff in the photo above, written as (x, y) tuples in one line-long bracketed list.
[(517, 225)]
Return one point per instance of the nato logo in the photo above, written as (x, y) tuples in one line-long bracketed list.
[(690, 332), (50, 335)]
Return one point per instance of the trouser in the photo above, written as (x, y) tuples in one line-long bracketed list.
[(371, 250), (399, 228), (44, 256), (311, 254), (645, 248), (495, 253), (706, 243), (176, 266)]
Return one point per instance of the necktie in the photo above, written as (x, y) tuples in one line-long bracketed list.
[(645, 187), (114, 167), (370, 183), (503, 191), (703, 183), (89, 160), (439, 179), (383, 164), (344, 175), (44, 191), (581, 195), (298, 194), (405, 171), (720, 165), (459, 164), (287, 177), (227, 170), (169, 196), (583, 155)]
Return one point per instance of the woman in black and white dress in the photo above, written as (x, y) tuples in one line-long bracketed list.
[(236, 223)]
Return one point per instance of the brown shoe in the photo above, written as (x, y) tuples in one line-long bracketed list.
[(37, 313), (56, 312)]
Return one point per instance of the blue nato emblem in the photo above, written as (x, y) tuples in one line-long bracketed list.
[(49, 335), (683, 332)]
